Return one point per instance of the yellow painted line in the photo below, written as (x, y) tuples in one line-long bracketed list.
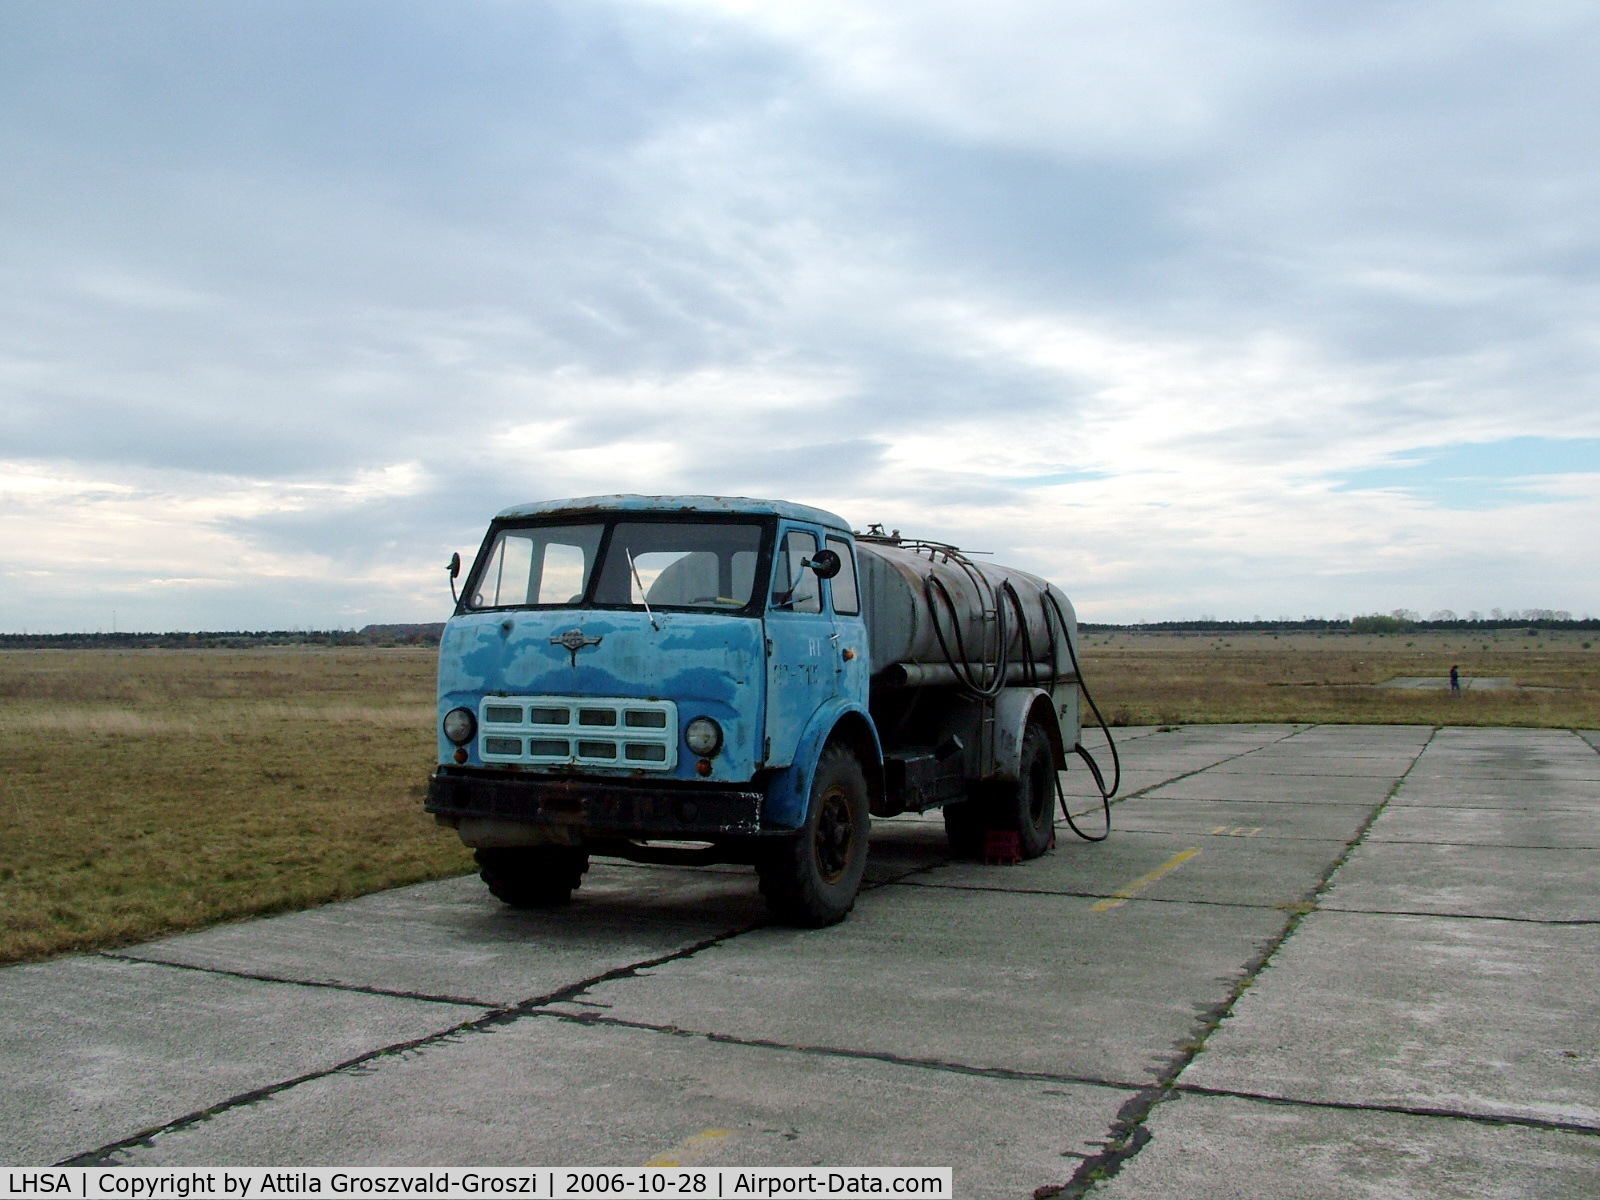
[(1144, 881), (690, 1148)]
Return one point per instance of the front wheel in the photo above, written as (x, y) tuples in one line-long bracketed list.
[(532, 876), (811, 880)]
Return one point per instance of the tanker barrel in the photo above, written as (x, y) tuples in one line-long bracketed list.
[(897, 582)]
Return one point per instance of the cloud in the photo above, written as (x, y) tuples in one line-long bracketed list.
[(293, 297)]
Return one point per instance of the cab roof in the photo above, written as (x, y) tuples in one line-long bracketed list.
[(627, 503)]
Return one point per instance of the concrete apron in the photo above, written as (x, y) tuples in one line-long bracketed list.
[(1431, 1024)]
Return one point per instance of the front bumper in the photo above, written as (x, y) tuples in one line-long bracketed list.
[(596, 808)]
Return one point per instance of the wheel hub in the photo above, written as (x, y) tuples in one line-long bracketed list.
[(834, 834)]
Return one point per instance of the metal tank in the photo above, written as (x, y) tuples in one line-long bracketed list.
[(936, 617)]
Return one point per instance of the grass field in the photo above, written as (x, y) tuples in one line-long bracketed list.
[(146, 791), (149, 791), (1176, 679)]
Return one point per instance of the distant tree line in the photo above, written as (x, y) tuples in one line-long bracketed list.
[(1398, 621), (426, 634)]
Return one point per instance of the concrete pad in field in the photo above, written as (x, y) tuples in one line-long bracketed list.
[(1365, 791), (1123, 733), (1513, 749), (94, 1049), (1479, 881), (1442, 771), (1488, 1017), (1441, 683), (1548, 828), (1288, 766), (1223, 1148), (1162, 814), (542, 1090), (1079, 783), (1185, 755), (1193, 760), (1228, 869), (452, 939), (1509, 754), (1494, 738), (1450, 792), (1191, 745), (1367, 735), (1592, 736), (986, 979)]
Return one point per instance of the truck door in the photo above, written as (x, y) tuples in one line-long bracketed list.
[(800, 650)]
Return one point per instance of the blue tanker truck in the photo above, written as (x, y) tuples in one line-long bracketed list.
[(699, 679)]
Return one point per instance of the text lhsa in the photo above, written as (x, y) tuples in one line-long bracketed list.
[(38, 1183)]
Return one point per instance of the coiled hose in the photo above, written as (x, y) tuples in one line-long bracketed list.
[(1081, 751), (961, 665)]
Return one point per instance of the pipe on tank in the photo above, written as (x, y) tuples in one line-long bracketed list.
[(903, 675)]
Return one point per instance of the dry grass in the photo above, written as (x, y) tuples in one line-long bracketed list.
[(1173, 679), (150, 791)]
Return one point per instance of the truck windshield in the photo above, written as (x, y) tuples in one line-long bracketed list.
[(620, 563)]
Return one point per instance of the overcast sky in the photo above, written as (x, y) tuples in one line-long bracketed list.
[(1221, 309)]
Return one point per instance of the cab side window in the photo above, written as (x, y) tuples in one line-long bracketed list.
[(794, 588), (846, 599)]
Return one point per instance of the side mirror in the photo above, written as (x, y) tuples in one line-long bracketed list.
[(454, 567), (825, 563)]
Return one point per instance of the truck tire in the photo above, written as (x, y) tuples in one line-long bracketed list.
[(811, 880), (1029, 806), (1026, 808), (532, 876)]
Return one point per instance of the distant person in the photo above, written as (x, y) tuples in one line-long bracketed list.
[(1455, 681)]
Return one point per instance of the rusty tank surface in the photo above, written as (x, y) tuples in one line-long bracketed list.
[(936, 616)]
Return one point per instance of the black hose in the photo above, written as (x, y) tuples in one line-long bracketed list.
[(957, 660), (1079, 749), (1031, 668)]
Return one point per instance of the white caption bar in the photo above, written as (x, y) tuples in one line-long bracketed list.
[(477, 1183)]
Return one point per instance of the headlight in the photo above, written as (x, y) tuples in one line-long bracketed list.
[(460, 725), (704, 736)]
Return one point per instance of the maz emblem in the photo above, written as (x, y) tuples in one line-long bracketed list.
[(573, 641)]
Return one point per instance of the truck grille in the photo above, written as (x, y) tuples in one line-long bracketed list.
[(639, 735)]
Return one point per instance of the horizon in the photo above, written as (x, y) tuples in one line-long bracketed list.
[(1438, 622)]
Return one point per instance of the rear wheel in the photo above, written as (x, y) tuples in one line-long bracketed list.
[(1026, 808), (1029, 805), (532, 876), (812, 879)]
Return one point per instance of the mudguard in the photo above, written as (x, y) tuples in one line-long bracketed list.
[(1013, 708), (789, 789)]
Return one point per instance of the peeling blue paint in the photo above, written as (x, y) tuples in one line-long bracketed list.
[(776, 684), (709, 665)]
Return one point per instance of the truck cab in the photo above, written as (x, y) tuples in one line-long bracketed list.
[(659, 679)]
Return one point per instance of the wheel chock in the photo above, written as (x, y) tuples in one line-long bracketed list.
[(1002, 848)]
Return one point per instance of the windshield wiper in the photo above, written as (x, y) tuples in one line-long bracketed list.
[(642, 598)]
